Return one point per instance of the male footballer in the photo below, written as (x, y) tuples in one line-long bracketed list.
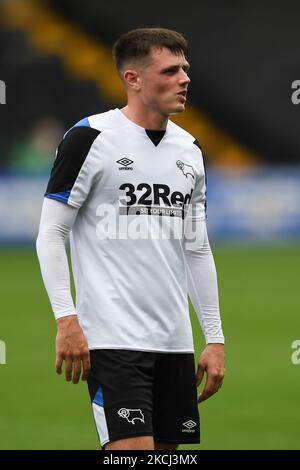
[(128, 186)]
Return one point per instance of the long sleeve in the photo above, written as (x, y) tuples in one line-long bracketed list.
[(56, 222), (202, 283)]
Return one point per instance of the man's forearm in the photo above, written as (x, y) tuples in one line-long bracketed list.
[(203, 288), (56, 222)]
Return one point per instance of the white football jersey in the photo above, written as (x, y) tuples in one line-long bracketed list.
[(134, 189)]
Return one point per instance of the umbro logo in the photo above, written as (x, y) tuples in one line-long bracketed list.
[(125, 162), (189, 425)]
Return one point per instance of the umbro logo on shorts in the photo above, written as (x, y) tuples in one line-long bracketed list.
[(189, 425), (186, 169), (125, 162), (131, 414)]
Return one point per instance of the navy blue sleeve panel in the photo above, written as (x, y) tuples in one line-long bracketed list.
[(71, 154), (199, 146)]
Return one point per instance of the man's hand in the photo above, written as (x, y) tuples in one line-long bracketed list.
[(72, 347), (212, 361)]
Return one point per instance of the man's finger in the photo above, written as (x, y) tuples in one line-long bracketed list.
[(58, 364), (207, 392), (68, 368), (86, 365), (212, 385), (199, 376), (76, 369)]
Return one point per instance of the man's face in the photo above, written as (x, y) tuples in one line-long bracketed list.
[(163, 83)]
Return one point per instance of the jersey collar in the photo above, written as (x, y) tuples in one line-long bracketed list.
[(154, 135)]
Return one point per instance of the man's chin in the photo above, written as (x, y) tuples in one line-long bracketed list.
[(177, 110)]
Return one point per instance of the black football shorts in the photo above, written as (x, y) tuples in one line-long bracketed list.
[(135, 393)]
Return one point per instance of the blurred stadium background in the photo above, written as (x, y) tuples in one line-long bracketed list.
[(56, 63)]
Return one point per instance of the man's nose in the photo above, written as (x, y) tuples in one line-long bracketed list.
[(184, 78)]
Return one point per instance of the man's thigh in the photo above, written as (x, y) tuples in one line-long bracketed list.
[(120, 385), (175, 407), (138, 397), (132, 443), (139, 443), (166, 446)]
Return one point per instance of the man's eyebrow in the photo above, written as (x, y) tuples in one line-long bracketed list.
[(185, 66)]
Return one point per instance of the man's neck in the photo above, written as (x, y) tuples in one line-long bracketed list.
[(146, 118)]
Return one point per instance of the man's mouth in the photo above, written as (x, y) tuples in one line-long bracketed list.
[(182, 96)]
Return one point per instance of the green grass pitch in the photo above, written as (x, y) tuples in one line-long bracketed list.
[(258, 406)]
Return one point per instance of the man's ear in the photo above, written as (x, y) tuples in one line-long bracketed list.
[(132, 79)]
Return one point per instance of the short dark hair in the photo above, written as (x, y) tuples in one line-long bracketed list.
[(137, 44)]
